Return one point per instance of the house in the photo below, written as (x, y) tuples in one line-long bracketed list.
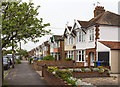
[(57, 47), (97, 39), (69, 43), (31, 53), (38, 51), (45, 48)]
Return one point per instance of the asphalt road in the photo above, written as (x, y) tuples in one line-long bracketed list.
[(23, 75)]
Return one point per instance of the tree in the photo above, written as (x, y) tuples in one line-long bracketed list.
[(7, 52), (20, 22), (22, 52)]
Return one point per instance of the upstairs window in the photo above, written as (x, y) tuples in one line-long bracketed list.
[(70, 40), (91, 36), (81, 36)]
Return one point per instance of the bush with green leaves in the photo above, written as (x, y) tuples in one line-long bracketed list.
[(18, 61), (63, 74), (68, 59), (83, 69), (49, 58)]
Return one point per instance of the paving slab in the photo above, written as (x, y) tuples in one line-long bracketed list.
[(24, 75)]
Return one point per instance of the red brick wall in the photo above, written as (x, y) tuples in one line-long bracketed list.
[(51, 79), (56, 63), (88, 53), (79, 64)]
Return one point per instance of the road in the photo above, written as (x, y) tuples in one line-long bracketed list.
[(24, 74)]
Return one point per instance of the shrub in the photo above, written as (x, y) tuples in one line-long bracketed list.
[(18, 61), (91, 68), (71, 70), (49, 58), (63, 74), (101, 70), (95, 63), (39, 60), (88, 70), (51, 69), (95, 69), (83, 70), (68, 59), (77, 70)]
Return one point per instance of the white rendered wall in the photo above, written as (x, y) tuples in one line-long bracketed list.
[(87, 44), (101, 47), (108, 33)]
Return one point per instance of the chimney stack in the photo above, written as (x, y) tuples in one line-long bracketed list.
[(98, 10)]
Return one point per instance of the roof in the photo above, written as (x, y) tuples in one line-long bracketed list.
[(111, 44), (46, 43), (106, 18), (83, 23), (69, 27), (57, 37)]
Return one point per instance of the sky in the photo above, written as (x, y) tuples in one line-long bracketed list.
[(60, 12)]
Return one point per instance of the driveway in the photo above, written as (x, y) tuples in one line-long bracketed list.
[(24, 74)]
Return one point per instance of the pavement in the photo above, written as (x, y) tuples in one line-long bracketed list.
[(23, 75)]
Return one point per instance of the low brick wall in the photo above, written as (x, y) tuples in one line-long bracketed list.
[(52, 80), (89, 74), (38, 64), (56, 63)]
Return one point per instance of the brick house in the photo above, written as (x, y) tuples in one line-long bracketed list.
[(57, 47), (45, 48), (97, 38), (31, 53), (69, 42)]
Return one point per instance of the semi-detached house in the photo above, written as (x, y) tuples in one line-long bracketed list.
[(96, 39), (57, 47)]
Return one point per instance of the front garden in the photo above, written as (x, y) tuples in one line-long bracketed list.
[(70, 75)]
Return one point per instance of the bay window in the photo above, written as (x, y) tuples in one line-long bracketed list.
[(81, 55)]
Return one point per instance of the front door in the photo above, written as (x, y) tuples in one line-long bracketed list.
[(91, 58)]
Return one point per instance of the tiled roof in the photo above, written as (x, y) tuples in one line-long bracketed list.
[(106, 18), (111, 44), (57, 37), (83, 23), (46, 43)]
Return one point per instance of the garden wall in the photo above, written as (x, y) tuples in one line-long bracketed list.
[(89, 74), (38, 64), (52, 80)]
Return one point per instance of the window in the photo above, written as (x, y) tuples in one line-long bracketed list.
[(81, 56), (91, 35), (81, 36), (70, 40), (55, 45), (59, 44), (70, 54)]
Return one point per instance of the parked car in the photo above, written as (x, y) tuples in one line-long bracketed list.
[(41, 58), (10, 56), (6, 63)]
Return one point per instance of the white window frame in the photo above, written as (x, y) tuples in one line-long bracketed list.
[(59, 44), (91, 34), (70, 54), (79, 52), (80, 36)]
